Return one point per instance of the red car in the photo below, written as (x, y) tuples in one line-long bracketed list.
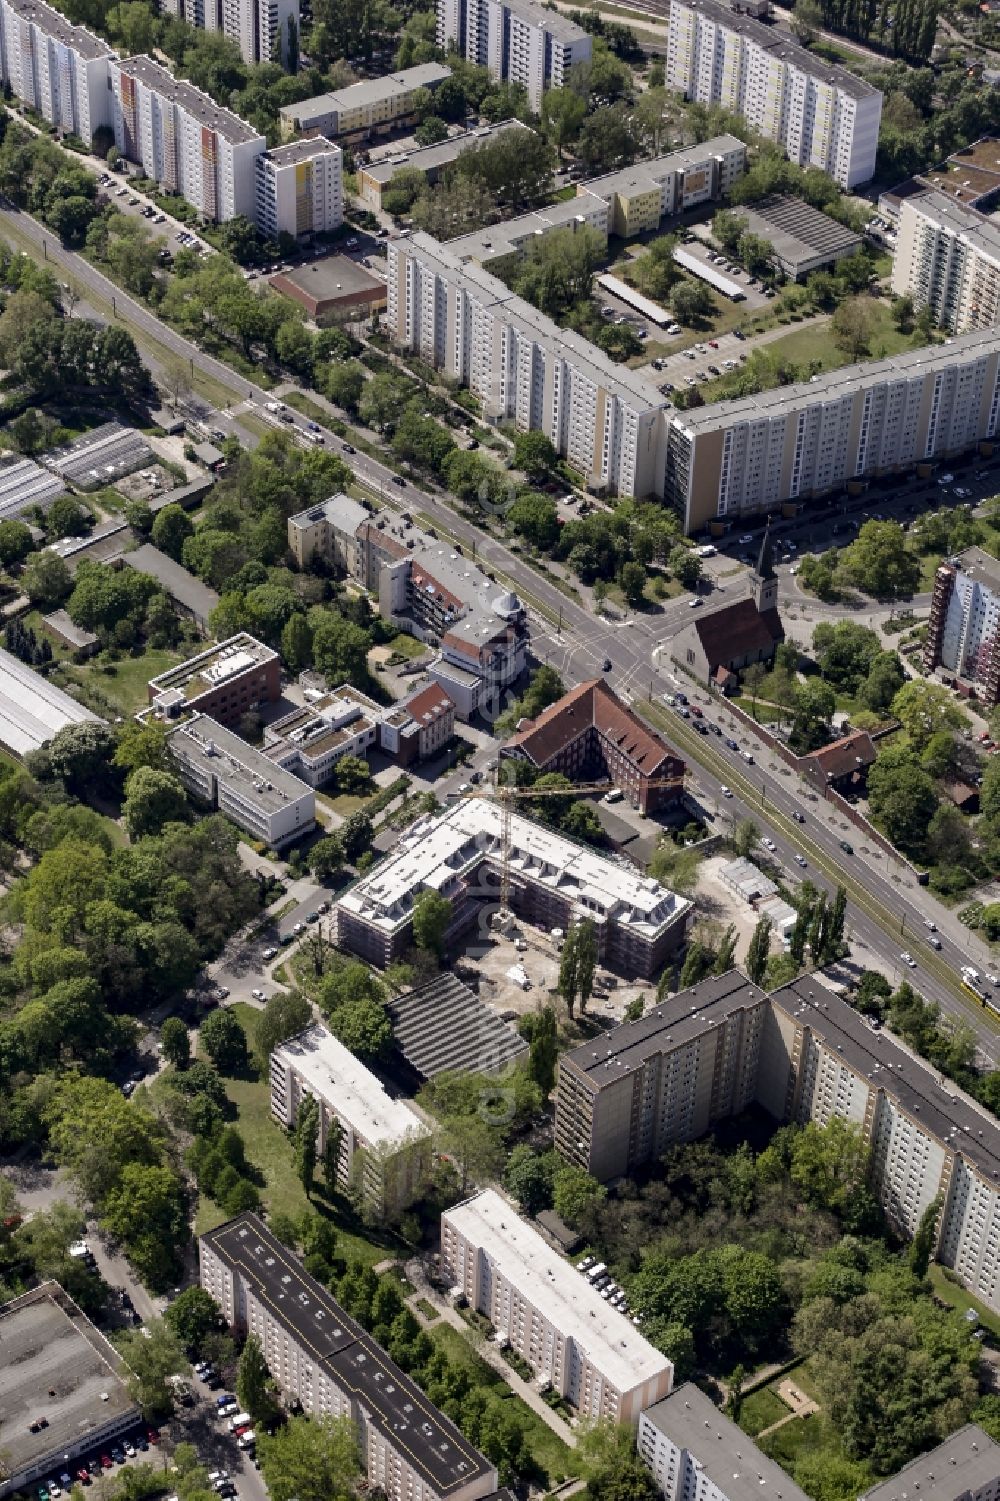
[(713, 343), (696, 711), (83, 1475), (243, 1428), (153, 1434), (106, 1462)]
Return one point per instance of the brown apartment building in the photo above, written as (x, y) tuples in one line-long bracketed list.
[(589, 734), (225, 682)]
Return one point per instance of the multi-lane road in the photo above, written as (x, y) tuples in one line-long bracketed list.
[(888, 912)]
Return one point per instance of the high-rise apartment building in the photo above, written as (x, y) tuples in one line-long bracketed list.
[(754, 452), (696, 1453), (58, 69), (519, 41), (963, 634), (820, 115), (317, 1354), (300, 189), (264, 30), (381, 1141), (589, 1352), (605, 419), (184, 141), (966, 1467), (803, 1054), (948, 258)]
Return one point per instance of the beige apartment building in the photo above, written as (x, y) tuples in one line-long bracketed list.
[(748, 455), (520, 41), (948, 258), (368, 108), (803, 1054), (640, 196), (543, 1308), (321, 1358)]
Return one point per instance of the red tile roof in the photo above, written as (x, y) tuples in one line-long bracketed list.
[(430, 703), (737, 630), (592, 705), (841, 758)]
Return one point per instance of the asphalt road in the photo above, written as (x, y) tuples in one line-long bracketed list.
[(569, 635)]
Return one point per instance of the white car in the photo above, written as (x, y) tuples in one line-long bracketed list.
[(800, 860), (129, 1448), (269, 953), (726, 791), (258, 995), (769, 844), (931, 926), (908, 958)]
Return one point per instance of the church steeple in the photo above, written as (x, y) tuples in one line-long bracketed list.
[(763, 579)]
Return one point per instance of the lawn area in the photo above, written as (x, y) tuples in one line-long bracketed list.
[(550, 1453), (957, 1297), (405, 645), (122, 683), (269, 1149), (346, 803), (764, 713), (760, 1410)]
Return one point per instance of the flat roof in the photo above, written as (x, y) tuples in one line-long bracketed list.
[(644, 305), (216, 665), (409, 1421), (644, 175), (838, 385), (780, 44), (212, 749), (335, 1075), (444, 847), (100, 456), (426, 158), (797, 232), (979, 565), (706, 272), (967, 1461), (342, 512), (32, 709), (301, 151), (55, 25), (182, 586), (193, 101), (55, 1365), (24, 484), (726, 1455), (971, 226), (444, 1025), (554, 1286), (671, 1024), (552, 21), (514, 235), (368, 91), (330, 277)]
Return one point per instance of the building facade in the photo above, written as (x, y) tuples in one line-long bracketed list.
[(553, 883), (518, 40), (803, 1054), (382, 1143), (589, 734), (639, 197), (233, 678), (606, 420), (367, 109), (696, 1453), (539, 1304), (300, 189), (820, 115), (60, 70), (963, 633), (264, 30), (226, 773), (320, 1357), (948, 259), (907, 412), (184, 141)]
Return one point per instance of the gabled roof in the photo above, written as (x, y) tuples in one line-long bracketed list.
[(592, 705), (843, 757), (737, 629)]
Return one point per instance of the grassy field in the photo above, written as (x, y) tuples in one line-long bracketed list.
[(550, 1453), (760, 1410), (957, 1297), (123, 682), (405, 645)]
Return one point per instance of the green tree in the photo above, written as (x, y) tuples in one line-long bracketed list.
[(141, 744), (46, 579), (925, 1239), (633, 583), (305, 1133), (146, 1210), (586, 959), (296, 643), (175, 1043), (285, 1014), (193, 1316), (574, 1191), (535, 518), (529, 1176), (171, 530), (759, 950), (925, 709), (613, 1470), (544, 1049), (153, 1354), (879, 561), (152, 799), (431, 916), (853, 325), (15, 543), (534, 454), (254, 1386), (224, 1040), (311, 1459), (745, 836), (902, 799)]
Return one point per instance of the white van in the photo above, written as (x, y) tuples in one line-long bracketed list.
[(247, 1440)]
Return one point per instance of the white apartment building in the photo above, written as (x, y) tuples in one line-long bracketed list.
[(58, 69), (519, 41), (184, 141), (963, 634), (948, 258), (803, 1054), (226, 773), (696, 1453), (553, 883), (966, 1467), (319, 1356), (312, 739), (300, 189), (542, 1307), (906, 412), (821, 116), (383, 1142), (605, 419), (264, 30)]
